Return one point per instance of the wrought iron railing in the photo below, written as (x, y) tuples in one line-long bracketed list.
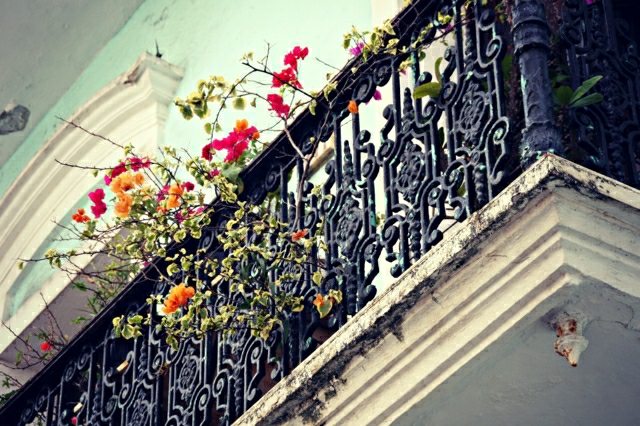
[(393, 193)]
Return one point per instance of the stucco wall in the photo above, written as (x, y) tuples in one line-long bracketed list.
[(204, 37)]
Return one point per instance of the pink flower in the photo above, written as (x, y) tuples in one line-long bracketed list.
[(236, 150), (214, 173), (236, 142), (278, 106), (118, 170), (357, 49), (74, 420), (162, 194), (139, 163), (97, 196), (107, 180), (179, 217), (99, 207), (377, 95)]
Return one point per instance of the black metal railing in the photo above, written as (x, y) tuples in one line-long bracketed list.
[(391, 195)]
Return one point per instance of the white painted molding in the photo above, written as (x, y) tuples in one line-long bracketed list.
[(556, 227), (133, 108)]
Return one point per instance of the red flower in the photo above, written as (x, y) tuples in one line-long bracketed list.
[(99, 207), (214, 173), (300, 53), (207, 151), (80, 217), (277, 105), (107, 180), (286, 76), (291, 58), (45, 346), (188, 186), (74, 420), (298, 235)]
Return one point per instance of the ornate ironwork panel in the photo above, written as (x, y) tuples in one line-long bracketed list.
[(595, 40)]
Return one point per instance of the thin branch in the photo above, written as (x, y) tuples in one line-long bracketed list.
[(77, 126)]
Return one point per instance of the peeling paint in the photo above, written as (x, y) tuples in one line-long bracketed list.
[(13, 119)]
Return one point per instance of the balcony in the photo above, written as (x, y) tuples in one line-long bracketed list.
[(399, 185)]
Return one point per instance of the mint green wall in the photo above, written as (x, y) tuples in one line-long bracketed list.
[(204, 37)]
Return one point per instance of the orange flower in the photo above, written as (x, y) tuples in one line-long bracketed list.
[(318, 302), (174, 199), (126, 181), (255, 136), (80, 217), (123, 206), (352, 107), (178, 297), (298, 235), (241, 125)]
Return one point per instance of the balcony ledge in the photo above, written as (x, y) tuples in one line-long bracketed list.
[(557, 228)]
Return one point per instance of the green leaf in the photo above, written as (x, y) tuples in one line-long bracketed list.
[(239, 103), (312, 107), (437, 69), (591, 99), (135, 320), (325, 308), (231, 172), (128, 331), (427, 89), (172, 341), (317, 277), (585, 87), (562, 95), (207, 128)]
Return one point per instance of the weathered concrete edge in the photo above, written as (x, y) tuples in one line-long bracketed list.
[(297, 394)]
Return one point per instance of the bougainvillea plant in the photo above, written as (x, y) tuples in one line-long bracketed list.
[(147, 206)]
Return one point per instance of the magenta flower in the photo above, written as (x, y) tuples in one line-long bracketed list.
[(99, 207), (357, 49)]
